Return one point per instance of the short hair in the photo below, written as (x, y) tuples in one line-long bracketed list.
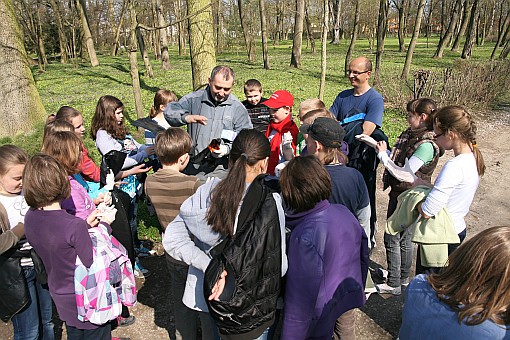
[(225, 71), (304, 183), (476, 281), (310, 104), (45, 181), (252, 84), (310, 116), (11, 155), (65, 147), (172, 144), (162, 97)]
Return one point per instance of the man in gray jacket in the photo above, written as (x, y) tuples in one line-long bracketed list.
[(211, 113)]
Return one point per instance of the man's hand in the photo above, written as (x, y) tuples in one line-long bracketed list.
[(196, 119), (221, 151)]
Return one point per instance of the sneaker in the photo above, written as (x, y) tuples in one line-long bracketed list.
[(405, 282), (382, 273), (124, 322), (383, 288), (140, 271)]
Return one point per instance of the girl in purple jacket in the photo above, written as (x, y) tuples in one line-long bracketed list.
[(328, 253)]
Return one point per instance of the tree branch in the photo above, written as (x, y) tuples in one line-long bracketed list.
[(147, 28)]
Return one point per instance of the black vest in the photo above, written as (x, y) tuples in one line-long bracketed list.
[(252, 259)]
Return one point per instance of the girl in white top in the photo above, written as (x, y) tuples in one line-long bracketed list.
[(161, 100), (458, 180)]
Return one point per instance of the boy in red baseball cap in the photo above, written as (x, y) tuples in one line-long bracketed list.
[(282, 132)]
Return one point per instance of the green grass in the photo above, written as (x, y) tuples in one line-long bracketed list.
[(81, 85)]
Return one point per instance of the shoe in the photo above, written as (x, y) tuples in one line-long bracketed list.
[(383, 288), (140, 271), (382, 273), (405, 282), (369, 291), (124, 322)]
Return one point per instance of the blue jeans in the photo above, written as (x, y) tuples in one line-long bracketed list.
[(264, 335), (34, 321), (399, 256)]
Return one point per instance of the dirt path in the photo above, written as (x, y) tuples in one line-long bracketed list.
[(381, 317)]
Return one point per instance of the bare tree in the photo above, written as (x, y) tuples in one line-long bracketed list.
[(414, 38), (354, 37), (62, 39), (248, 38), (133, 62), (263, 28), (295, 60), (116, 44), (382, 26), (309, 32), (144, 53), (165, 57), (87, 36), (445, 38), (202, 43), (470, 37), (21, 105), (400, 5), (503, 27), (336, 6)]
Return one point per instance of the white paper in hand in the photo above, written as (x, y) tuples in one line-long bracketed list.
[(367, 140)]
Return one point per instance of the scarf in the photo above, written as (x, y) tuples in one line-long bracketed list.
[(284, 126)]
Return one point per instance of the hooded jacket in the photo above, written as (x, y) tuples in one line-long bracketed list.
[(328, 264)]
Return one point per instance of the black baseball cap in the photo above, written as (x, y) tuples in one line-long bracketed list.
[(325, 130)]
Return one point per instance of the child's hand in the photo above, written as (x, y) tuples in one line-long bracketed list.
[(140, 168), (150, 150), (287, 140), (381, 146), (108, 215), (92, 219), (218, 287)]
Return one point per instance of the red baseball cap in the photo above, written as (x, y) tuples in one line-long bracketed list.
[(279, 99)]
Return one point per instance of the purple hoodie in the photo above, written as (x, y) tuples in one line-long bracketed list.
[(328, 264)]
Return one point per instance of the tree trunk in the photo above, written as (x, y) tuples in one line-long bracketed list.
[(165, 57), (502, 28), (470, 37), (263, 28), (382, 25), (322, 85), (354, 37), (62, 39), (21, 105), (181, 27), (133, 62), (250, 44), (336, 27), (309, 32), (414, 38), (295, 60), (504, 52), (465, 20), (401, 26), (115, 47), (201, 41), (144, 53), (87, 36), (443, 41)]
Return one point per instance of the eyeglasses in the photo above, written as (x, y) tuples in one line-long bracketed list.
[(355, 73)]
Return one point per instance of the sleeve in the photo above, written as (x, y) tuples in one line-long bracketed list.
[(106, 143), (176, 112), (178, 243), (136, 158), (79, 239), (88, 168), (425, 153), (364, 256), (8, 239), (304, 277), (446, 181), (242, 118), (335, 108), (375, 109), (401, 173), (281, 217)]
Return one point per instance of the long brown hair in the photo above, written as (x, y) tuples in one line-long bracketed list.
[(476, 282), (249, 147), (458, 119), (104, 118), (65, 147)]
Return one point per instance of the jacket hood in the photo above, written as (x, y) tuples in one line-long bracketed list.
[(292, 219), (194, 208)]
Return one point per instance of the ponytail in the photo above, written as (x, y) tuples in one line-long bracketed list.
[(480, 164)]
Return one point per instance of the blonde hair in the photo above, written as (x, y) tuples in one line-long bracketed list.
[(457, 119), (476, 282), (309, 105)]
